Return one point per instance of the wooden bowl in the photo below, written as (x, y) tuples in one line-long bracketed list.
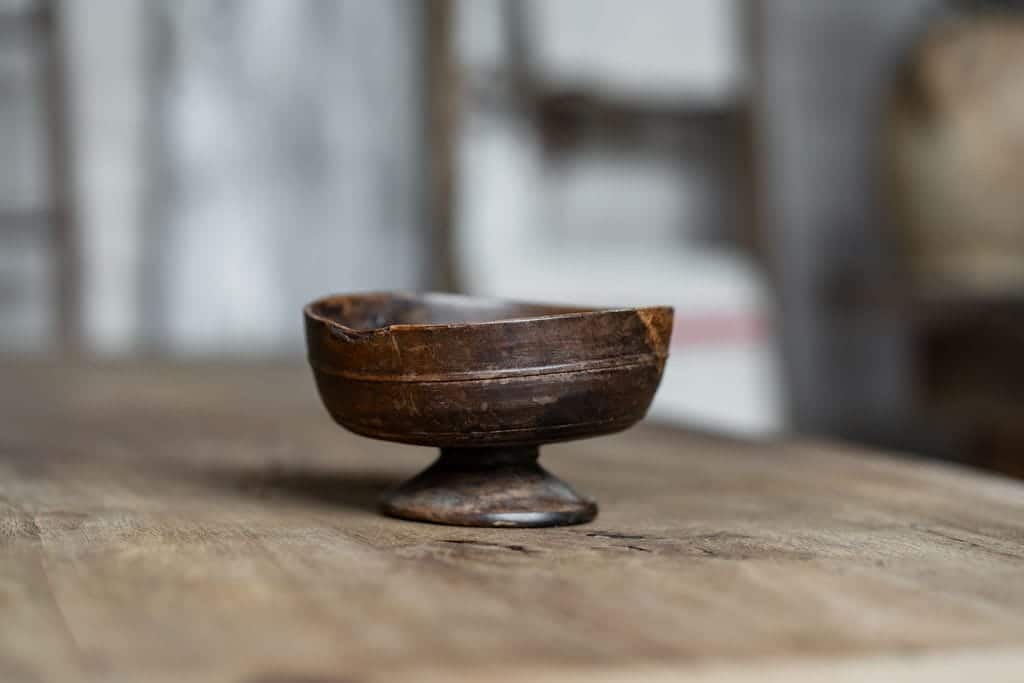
[(487, 382)]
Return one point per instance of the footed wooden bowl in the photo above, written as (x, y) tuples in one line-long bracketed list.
[(487, 382)]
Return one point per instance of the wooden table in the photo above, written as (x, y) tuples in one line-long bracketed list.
[(205, 524)]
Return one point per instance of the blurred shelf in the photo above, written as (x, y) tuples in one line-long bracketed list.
[(567, 116)]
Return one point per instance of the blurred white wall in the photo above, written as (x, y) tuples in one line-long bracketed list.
[(652, 50), (108, 61), (235, 160)]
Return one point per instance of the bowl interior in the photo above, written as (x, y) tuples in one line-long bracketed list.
[(374, 311)]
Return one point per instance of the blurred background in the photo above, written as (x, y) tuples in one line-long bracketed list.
[(828, 192)]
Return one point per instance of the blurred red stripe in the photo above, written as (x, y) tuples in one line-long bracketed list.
[(714, 330)]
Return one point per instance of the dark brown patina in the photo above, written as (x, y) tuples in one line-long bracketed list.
[(487, 382)]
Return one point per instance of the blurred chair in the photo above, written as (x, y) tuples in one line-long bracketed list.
[(604, 157)]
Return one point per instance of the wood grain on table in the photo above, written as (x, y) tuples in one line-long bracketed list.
[(212, 524)]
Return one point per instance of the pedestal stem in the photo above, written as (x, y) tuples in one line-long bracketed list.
[(496, 487)]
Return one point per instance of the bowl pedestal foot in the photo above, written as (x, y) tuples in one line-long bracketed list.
[(489, 487)]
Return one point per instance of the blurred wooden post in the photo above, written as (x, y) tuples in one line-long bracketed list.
[(63, 229), (442, 104)]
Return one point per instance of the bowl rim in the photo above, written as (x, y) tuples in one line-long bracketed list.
[(568, 312)]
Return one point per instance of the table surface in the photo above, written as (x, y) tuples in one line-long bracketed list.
[(212, 524)]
